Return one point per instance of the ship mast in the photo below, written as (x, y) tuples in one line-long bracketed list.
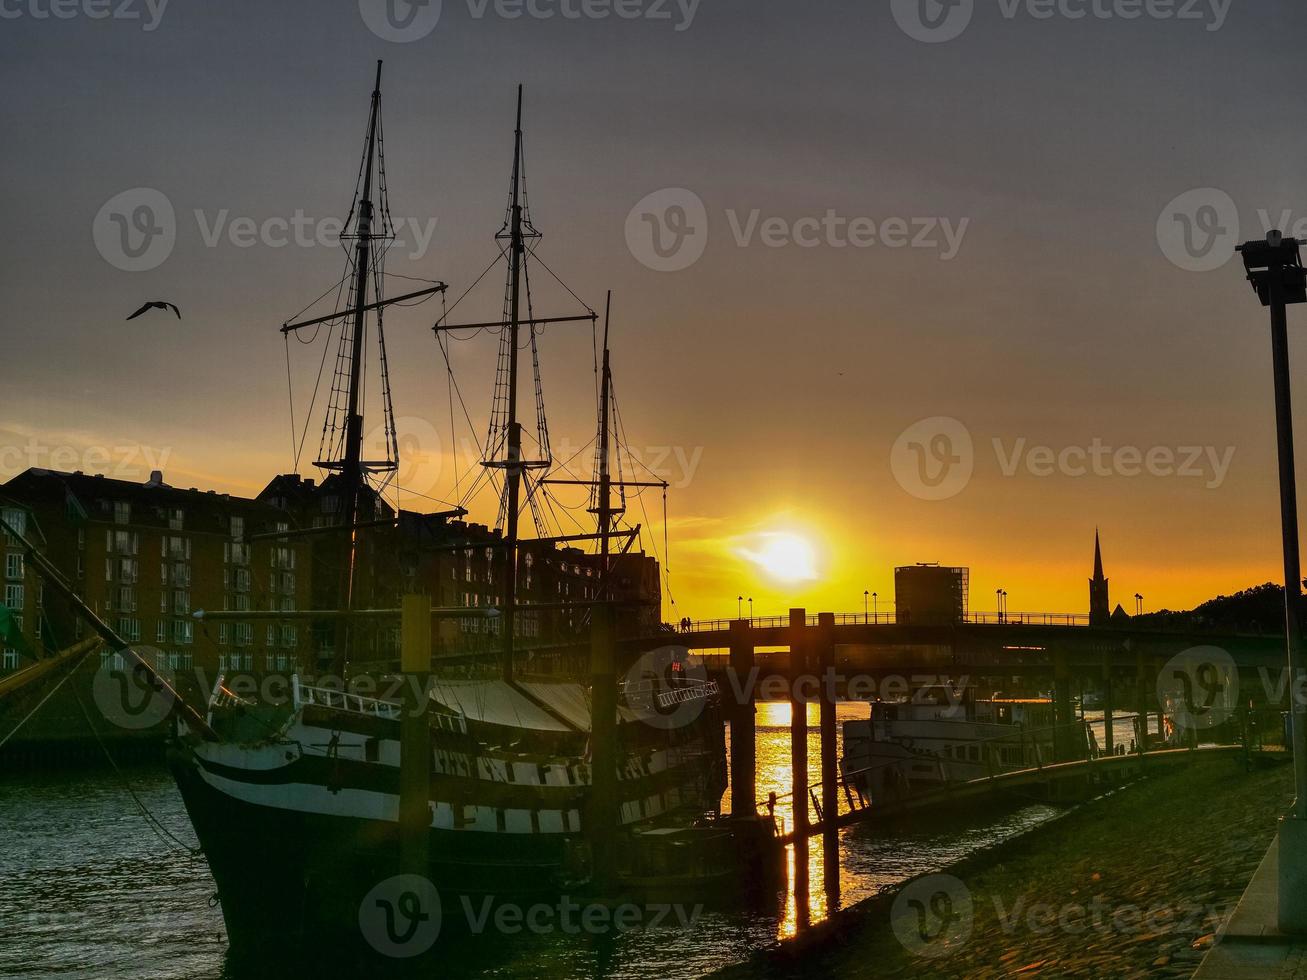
[(504, 449), (604, 506), (513, 470), (344, 453), (352, 469)]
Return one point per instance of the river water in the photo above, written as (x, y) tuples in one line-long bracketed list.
[(89, 888)]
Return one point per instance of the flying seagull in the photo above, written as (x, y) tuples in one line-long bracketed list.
[(156, 305)]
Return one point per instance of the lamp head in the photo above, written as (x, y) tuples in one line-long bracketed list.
[(1275, 256)]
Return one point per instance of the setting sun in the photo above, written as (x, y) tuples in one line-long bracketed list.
[(785, 557)]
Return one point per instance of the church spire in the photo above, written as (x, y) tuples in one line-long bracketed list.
[(1100, 610)]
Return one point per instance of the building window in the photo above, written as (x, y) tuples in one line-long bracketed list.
[(121, 542), (11, 659), (16, 519), (14, 597), (176, 518), (238, 528), (160, 631), (224, 633), (14, 566), (122, 512)]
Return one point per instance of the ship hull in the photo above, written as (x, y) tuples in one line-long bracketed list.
[(286, 873)]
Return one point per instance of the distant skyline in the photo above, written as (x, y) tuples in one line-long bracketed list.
[(880, 296)]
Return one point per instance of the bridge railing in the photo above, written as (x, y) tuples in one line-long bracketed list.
[(891, 619)]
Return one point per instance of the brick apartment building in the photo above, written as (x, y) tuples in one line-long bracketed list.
[(24, 594), (144, 556)]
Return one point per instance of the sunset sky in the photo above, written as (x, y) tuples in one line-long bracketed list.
[(1041, 164)]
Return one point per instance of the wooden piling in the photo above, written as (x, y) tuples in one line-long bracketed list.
[(830, 800), (799, 759), (1142, 698), (744, 763), (603, 809), (1063, 716), (415, 736), (1109, 732)]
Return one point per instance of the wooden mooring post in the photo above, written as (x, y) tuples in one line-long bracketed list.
[(744, 761), (415, 736), (830, 799), (1063, 715), (799, 760), (604, 811), (1109, 732)]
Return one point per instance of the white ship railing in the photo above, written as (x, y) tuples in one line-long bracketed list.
[(326, 697)]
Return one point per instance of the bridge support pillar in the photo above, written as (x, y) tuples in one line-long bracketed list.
[(799, 760), (1063, 716), (744, 764), (830, 798), (1109, 704)]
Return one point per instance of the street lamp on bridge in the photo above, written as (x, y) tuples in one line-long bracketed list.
[(739, 607), (1139, 604), (750, 610), (1275, 269), (875, 607), (865, 594)]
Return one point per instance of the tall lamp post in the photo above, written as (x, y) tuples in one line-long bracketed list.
[(1139, 604), (739, 607), (998, 601), (865, 595), (1275, 269), (750, 610), (875, 607)]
